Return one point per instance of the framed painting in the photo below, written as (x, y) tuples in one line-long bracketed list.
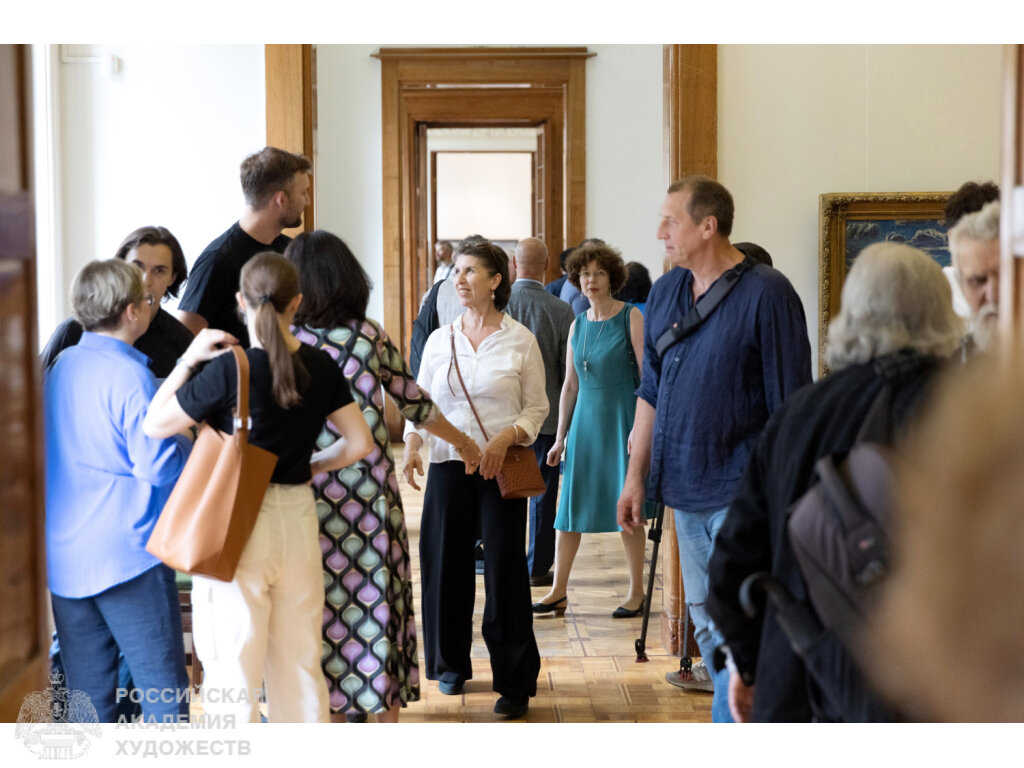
[(851, 222)]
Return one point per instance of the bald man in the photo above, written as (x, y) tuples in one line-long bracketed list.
[(548, 318)]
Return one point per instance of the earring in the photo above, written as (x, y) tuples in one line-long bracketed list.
[(492, 295)]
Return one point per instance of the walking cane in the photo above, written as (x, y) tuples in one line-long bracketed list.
[(654, 534)]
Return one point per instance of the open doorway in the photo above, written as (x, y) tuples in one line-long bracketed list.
[(542, 89), (481, 181)]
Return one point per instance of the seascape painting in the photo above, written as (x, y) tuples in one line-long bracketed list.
[(930, 235)]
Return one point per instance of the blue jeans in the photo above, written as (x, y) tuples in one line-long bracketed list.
[(695, 533), (139, 618)]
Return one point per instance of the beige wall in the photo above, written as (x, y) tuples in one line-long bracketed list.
[(798, 121)]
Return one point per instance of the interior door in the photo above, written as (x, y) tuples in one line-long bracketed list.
[(23, 615)]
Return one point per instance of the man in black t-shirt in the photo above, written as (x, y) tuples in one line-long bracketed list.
[(158, 254), (276, 187)]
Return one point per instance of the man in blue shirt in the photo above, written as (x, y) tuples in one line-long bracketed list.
[(701, 406), (106, 482)]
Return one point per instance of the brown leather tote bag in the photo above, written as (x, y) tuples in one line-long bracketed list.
[(212, 510)]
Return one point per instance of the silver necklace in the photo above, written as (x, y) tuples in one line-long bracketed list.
[(586, 332)]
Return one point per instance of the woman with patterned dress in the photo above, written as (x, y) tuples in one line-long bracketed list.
[(369, 630), (606, 349)]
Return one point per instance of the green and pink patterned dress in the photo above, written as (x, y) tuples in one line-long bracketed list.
[(369, 632)]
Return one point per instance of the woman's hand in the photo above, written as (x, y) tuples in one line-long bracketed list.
[(208, 344), (555, 454), (471, 454), (495, 450), (411, 459)]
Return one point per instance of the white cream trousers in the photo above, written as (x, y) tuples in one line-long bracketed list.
[(266, 623)]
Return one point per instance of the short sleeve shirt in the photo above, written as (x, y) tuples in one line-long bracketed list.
[(213, 282), (289, 433)]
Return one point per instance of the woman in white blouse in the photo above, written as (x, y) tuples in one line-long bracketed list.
[(503, 371)]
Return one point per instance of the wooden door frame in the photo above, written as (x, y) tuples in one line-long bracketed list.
[(691, 146), (1011, 225), (24, 639), (290, 82), (473, 86)]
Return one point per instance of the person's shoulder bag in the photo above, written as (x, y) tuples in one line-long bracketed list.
[(519, 476), (210, 515)]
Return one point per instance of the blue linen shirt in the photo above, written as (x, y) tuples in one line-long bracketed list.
[(106, 481), (574, 297), (715, 389)]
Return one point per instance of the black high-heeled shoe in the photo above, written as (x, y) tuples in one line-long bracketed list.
[(626, 613), (558, 607)]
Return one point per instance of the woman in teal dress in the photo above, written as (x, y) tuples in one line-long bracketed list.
[(596, 409), (369, 632)]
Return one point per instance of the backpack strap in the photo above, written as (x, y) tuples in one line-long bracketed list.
[(703, 307), (877, 426)]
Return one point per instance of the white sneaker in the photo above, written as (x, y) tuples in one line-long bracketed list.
[(699, 680)]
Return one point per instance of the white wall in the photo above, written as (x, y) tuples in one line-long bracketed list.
[(158, 143), (348, 180), (625, 179), (798, 121), (626, 174)]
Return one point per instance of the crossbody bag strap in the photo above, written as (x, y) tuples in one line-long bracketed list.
[(242, 421), (703, 307), (455, 362), (630, 352)]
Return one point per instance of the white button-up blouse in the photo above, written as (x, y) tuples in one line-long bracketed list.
[(504, 376)]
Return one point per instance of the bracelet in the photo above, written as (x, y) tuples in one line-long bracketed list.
[(464, 445), (516, 429), (182, 361)]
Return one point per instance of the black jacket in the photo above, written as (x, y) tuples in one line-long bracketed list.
[(820, 419)]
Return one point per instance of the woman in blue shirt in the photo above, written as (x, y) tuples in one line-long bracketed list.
[(106, 482)]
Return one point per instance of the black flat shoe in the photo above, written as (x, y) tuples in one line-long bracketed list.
[(558, 607), (626, 613), (512, 706)]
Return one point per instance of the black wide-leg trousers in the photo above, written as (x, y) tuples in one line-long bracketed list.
[(452, 503)]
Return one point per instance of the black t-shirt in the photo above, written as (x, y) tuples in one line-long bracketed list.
[(213, 282), (290, 434), (163, 343)]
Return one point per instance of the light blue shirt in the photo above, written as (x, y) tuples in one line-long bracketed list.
[(106, 481)]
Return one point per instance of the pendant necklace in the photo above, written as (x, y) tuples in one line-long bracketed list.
[(586, 332)]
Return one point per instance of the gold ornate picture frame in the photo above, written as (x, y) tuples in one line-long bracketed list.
[(849, 222)]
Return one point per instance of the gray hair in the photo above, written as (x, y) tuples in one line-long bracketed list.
[(895, 297), (101, 292), (980, 226)]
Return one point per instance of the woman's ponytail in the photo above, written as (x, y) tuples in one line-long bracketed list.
[(269, 282)]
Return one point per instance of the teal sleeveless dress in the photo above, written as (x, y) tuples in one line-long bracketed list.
[(595, 448)]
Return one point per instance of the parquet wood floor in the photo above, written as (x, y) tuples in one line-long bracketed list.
[(589, 672)]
